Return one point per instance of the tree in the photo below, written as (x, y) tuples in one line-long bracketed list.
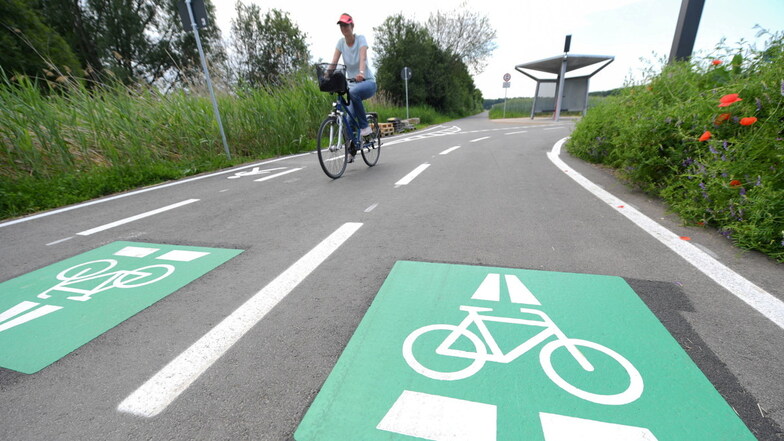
[(69, 19), (121, 25), (440, 78), (465, 33), (175, 55), (267, 48), (29, 46)]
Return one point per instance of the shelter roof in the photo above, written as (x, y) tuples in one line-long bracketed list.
[(573, 62)]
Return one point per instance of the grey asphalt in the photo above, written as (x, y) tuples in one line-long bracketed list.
[(494, 202)]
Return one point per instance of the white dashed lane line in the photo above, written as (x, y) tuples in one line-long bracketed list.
[(163, 388)]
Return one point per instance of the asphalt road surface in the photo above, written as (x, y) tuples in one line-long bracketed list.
[(471, 192)]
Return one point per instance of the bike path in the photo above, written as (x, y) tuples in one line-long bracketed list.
[(476, 205)]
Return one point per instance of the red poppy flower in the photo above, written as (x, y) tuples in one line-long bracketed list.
[(706, 136), (748, 121), (727, 100), (721, 118), (716, 62), (735, 183)]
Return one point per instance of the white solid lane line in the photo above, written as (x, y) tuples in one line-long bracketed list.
[(516, 133), (479, 139), (144, 190), (164, 387), (411, 176), (135, 218), (756, 297), (449, 150), (278, 174)]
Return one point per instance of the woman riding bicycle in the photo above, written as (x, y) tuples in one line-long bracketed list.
[(354, 49)]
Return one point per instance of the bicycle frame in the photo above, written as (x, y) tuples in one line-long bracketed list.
[(347, 120), (496, 354)]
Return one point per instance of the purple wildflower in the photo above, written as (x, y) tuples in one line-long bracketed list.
[(702, 185), (759, 181), (759, 105), (713, 150)]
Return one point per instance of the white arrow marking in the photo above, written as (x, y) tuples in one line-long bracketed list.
[(7, 323), (490, 289), (519, 293)]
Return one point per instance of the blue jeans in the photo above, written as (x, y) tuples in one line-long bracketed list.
[(358, 92)]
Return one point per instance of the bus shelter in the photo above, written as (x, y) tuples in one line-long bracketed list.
[(561, 93)]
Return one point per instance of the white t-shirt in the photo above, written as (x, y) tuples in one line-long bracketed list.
[(351, 57)]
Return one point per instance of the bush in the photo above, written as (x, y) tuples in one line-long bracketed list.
[(716, 166)]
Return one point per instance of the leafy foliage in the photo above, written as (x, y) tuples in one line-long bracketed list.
[(268, 48), (465, 33), (29, 46), (440, 79), (707, 137)]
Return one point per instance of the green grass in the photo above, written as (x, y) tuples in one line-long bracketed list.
[(521, 108), (733, 181), (73, 144)]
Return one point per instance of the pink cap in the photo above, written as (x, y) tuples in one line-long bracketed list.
[(345, 18)]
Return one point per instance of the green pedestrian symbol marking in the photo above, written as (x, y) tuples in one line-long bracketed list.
[(48, 313), (454, 352)]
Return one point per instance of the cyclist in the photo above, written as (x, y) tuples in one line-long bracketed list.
[(354, 49)]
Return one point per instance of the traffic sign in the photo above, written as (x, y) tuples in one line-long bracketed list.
[(454, 352), (199, 14), (405, 73), (507, 77), (48, 313), (507, 84)]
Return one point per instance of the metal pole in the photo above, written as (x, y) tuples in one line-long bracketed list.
[(209, 81), (505, 90), (559, 89), (406, 97), (536, 96), (686, 30)]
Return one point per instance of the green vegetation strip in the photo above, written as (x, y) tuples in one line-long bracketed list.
[(65, 146), (706, 137)]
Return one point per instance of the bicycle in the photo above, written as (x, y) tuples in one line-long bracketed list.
[(339, 133), (480, 354), (84, 275)]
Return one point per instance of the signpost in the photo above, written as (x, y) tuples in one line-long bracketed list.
[(405, 74), (197, 17), (507, 77), (48, 313), (455, 352)]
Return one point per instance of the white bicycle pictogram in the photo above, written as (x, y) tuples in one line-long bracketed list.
[(80, 279), (480, 355)]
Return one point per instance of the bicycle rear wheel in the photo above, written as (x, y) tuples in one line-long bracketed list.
[(331, 147), (371, 148)]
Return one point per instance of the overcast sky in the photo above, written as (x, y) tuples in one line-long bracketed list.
[(530, 30)]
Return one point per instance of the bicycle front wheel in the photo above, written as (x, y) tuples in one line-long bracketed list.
[(331, 147), (371, 148), (629, 394)]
